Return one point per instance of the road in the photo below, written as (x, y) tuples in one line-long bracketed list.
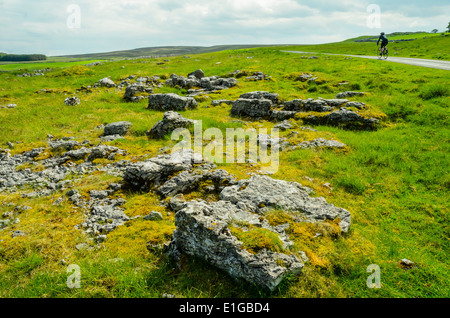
[(442, 65)]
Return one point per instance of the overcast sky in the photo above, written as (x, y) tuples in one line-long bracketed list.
[(55, 27)]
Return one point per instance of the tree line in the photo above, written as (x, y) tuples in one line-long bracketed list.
[(22, 57)]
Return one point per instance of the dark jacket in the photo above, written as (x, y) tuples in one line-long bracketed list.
[(383, 40)]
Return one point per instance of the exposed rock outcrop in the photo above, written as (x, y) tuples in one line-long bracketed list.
[(137, 91), (171, 121), (344, 118), (120, 128), (72, 101), (198, 79), (171, 101), (208, 229)]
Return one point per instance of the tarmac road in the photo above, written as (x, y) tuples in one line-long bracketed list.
[(442, 65)]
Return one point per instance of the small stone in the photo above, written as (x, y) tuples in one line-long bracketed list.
[(177, 202), (18, 233), (72, 101), (106, 82), (407, 264), (117, 128), (59, 201), (100, 239), (82, 246), (153, 216)]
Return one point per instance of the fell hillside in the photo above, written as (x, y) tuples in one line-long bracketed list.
[(161, 51), (415, 45), (88, 183)]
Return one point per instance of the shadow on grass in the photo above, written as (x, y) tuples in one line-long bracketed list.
[(198, 279)]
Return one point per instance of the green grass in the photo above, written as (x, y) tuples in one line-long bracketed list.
[(49, 63), (434, 46), (394, 181)]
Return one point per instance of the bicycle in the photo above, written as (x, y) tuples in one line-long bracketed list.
[(382, 54)]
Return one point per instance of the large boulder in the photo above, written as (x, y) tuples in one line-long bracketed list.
[(106, 82), (198, 74), (186, 182), (154, 172), (134, 92), (120, 128), (202, 231), (216, 230), (260, 193), (252, 108), (308, 105), (171, 121), (171, 101), (199, 80), (273, 97), (344, 118)]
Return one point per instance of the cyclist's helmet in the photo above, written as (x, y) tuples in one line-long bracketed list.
[(382, 33)]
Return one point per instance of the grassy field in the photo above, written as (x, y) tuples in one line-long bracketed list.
[(53, 62), (394, 181), (433, 46)]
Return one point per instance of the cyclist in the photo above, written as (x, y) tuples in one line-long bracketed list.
[(384, 41)]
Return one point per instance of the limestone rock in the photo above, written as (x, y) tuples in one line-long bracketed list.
[(259, 193), (198, 74), (253, 108), (106, 82), (138, 88), (171, 101), (273, 97), (118, 128), (146, 174), (346, 119), (72, 101), (348, 94), (285, 125), (153, 216), (202, 231), (171, 121), (319, 143)]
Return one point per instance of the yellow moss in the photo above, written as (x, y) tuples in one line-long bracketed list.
[(277, 217), (316, 260), (21, 147), (143, 205), (43, 155), (256, 239), (50, 231), (132, 238)]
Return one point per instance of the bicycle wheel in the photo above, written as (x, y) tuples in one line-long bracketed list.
[(385, 53), (379, 54)]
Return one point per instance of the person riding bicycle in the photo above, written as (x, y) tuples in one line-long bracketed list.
[(384, 41)]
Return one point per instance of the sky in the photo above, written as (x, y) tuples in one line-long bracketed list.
[(60, 27)]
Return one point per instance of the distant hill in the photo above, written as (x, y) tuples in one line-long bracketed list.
[(396, 36), (163, 51)]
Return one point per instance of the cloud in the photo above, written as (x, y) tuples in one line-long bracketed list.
[(41, 26)]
